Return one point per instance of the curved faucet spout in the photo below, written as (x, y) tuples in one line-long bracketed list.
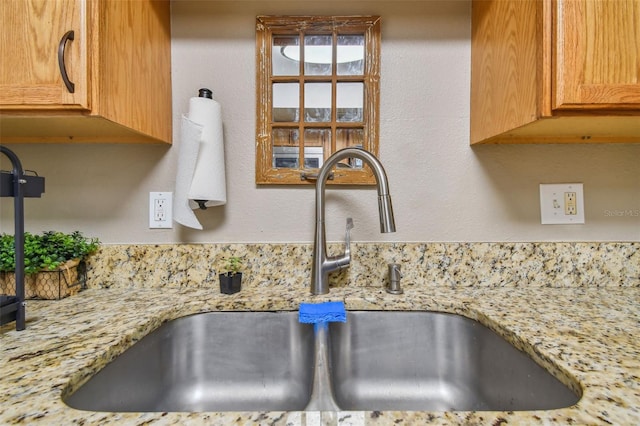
[(323, 264)]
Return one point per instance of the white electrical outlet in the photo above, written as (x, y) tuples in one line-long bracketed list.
[(561, 203), (160, 210)]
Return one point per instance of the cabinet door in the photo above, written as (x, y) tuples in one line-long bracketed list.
[(597, 54), (30, 35)]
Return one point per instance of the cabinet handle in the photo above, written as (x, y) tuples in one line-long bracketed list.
[(69, 35)]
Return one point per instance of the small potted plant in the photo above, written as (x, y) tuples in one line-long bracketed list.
[(231, 281)]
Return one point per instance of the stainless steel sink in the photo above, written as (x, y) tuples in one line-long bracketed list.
[(429, 361), (218, 361), (267, 361)]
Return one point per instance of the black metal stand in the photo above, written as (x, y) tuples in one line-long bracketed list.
[(14, 185)]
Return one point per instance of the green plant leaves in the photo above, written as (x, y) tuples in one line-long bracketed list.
[(234, 264), (46, 251)]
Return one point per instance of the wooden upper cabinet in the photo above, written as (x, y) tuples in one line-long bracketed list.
[(555, 71), (30, 73), (118, 63), (597, 54)]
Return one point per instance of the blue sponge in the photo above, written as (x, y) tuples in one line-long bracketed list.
[(314, 313)]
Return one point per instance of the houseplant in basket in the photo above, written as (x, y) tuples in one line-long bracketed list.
[(51, 262), (59, 257), (231, 281)]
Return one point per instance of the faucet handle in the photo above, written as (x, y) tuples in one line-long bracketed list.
[(344, 259), (347, 239)]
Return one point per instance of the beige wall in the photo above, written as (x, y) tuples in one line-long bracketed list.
[(443, 190)]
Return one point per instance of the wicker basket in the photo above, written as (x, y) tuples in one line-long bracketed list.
[(8, 284), (59, 283), (64, 281)]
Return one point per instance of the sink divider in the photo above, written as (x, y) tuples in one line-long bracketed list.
[(322, 394)]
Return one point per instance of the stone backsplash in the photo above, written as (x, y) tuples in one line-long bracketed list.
[(423, 264)]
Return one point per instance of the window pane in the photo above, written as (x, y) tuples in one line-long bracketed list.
[(318, 54), (316, 143), (350, 54), (286, 98), (317, 102), (285, 55), (285, 137), (285, 143), (286, 157), (349, 101), (350, 138)]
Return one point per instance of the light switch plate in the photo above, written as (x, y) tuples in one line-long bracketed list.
[(561, 203)]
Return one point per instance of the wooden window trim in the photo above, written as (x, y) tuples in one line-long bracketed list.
[(266, 27)]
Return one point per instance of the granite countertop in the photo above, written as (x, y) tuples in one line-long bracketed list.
[(589, 334)]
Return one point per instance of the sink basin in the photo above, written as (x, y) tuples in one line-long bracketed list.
[(268, 361), (218, 361), (429, 361)]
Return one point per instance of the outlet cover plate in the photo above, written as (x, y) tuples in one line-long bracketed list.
[(553, 204), (160, 210)]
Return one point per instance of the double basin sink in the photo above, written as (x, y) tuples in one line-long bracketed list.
[(268, 361)]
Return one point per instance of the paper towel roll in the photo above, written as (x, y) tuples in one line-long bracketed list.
[(200, 172)]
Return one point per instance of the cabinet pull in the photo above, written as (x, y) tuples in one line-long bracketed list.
[(69, 35)]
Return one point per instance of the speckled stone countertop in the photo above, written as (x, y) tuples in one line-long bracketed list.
[(423, 264), (584, 334)]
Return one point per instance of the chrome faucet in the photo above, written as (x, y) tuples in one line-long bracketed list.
[(322, 264)]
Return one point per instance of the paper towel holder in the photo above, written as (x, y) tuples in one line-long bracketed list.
[(204, 93)]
